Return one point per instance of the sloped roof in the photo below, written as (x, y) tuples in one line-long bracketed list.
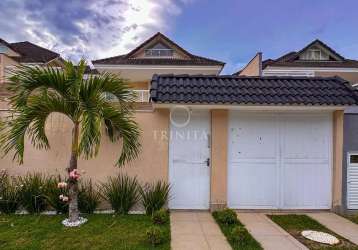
[(129, 58), (32, 53), (291, 59), (2, 41), (203, 89)]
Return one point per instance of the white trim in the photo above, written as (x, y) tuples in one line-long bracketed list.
[(274, 69), (186, 67), (253, 107)]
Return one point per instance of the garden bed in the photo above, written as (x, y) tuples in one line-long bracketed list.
[(246, 242), (100, 232), (294, 224), (353, 218)]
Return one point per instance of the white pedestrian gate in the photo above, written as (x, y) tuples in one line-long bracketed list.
[(189, 162)]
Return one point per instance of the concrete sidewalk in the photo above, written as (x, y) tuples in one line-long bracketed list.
[(196, 231), (270, 235), (337, 224)]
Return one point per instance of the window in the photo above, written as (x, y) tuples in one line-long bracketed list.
[(353, 158), (315, 54), (3, 49), (158, 52)]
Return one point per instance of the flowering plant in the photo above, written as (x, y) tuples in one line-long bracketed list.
[(62, 185), (63, 198), (74, 175)]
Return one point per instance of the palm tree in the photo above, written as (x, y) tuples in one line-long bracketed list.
[(37, 92)]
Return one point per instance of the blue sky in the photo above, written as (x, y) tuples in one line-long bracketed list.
[(231, 31)]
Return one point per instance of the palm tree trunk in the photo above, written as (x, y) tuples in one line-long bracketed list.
[(73, 213)]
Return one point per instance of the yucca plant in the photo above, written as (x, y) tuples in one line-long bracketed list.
[(53, 192), (9, 194), (88, 197), (122, 192), (32, 192), (37, 92), (154, 196)]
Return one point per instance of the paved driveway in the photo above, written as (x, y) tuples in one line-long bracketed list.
[(337, 224), (196, 231), (270, 235)]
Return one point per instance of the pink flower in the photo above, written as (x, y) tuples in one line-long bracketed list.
[(74, 174), (62, 185)]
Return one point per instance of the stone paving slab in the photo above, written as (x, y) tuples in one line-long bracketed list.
[(267, 233), (337, 224), (196, 231)]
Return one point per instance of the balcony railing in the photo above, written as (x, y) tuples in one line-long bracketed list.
[(141, 96)]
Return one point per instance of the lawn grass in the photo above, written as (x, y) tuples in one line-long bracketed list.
[(294, 224), (353, 218), (249, 243), (32, 232)]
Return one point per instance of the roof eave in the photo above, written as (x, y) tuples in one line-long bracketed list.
[(252, 107)]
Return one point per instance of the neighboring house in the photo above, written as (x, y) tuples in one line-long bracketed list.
[(315, 59), (24, 53), (157, 55), (238, 141), (318, 59)]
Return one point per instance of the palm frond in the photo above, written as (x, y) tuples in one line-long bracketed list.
[(121, 125), (108, 83), (75, 74), (30, 121), (25, 81), (90, 137)]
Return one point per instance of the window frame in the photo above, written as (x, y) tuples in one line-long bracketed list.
[(159, 54), (349, 154)]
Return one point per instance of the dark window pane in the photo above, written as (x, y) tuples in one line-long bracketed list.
[(354, 158)]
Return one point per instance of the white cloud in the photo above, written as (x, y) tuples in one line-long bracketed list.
[(89, 28)]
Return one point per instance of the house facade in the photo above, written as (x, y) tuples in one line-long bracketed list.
[(246, 142)]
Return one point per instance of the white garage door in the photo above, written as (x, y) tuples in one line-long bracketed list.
[(279, 161)]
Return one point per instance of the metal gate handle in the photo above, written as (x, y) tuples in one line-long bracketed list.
[(208, 162)]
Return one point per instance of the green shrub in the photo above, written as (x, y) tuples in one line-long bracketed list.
[(160, 217), (32, 192), (122, 192), (154, 196), (237, 234), (53, 192), (88, 197), (227, 216), (155, 235), (9, 194)]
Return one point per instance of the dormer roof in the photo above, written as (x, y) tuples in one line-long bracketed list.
[(137, 55)]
